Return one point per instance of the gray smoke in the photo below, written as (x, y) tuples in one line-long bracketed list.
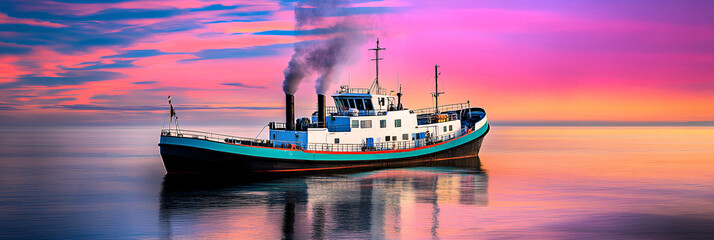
[(323, 58), (296, 70)]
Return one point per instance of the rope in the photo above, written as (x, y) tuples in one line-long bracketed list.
[(261, 131)]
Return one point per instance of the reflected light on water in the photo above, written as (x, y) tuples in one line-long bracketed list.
[(395, 203)]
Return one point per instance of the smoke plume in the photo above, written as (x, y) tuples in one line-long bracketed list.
[(323, 58)]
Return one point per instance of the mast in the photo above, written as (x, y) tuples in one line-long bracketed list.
[(376, 59), (436, 88), (173, 118)]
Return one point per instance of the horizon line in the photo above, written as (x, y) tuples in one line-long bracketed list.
[(602, 123), (493, 123)]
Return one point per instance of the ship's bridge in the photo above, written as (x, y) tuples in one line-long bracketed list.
[(362, 102)]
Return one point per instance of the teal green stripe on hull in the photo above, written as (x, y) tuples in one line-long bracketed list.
[(307, 156)]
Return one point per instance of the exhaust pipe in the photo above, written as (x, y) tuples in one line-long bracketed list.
[(289, 112), (321, 110)]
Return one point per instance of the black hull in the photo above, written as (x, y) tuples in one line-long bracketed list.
[(183, 159)]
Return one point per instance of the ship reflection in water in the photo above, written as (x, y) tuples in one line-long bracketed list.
[(391, 203)]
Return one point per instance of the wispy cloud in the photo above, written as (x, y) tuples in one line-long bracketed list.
[(248, 52), (139, 53), (66, 78), (316, 31), (100, 65), (248, 14), (14, 50), (145, 82), (217, 7), (243, 85)]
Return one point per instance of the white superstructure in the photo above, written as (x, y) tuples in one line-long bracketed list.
[(360, 117)]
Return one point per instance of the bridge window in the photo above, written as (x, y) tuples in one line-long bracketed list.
[(355, 123), (338, 103), (360, 104), (397, 123), (368, 104), (345, 104), (366, 124), (352, 103), (382, 123)]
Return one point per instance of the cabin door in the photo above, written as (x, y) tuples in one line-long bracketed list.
[(433, 131), (369, 142)]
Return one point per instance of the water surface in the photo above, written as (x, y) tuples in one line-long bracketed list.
[(534, 182)]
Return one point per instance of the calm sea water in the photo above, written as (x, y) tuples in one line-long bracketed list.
[(534, 183)]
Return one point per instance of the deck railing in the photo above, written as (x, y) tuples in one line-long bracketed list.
[(331, 147), (347, 89), (276, 125), (215, 137), (442, 108), (331, 110)]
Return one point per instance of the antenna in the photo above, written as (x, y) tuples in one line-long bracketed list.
[(436, 88), (376, 59)]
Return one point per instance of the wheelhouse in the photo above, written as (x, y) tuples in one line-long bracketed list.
[(362, 102)]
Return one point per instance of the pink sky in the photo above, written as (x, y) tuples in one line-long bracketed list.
[(523, 61)]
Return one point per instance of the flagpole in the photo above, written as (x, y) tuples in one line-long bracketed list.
[(171, 114)]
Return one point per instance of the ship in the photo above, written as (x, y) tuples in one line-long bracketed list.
[(366, 128)]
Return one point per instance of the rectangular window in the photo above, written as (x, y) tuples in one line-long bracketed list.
[(394, 138), (345, 104), (366, 124), (360, 104), (444, 128), (405, 136), (368, 104), (451, 127), (382, 123), (397, 123), (337, 140), (355, 123), (386, 138), (352, 103)]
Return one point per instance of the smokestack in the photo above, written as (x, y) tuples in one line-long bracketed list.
[(289, 112), (321, 110)]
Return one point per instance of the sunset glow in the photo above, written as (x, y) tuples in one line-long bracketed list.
[(68, 62)]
